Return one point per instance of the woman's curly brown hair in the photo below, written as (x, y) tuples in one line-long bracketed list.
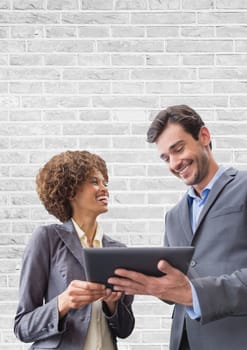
[(58, 180)]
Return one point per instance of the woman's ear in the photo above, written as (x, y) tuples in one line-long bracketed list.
[(71, 198)]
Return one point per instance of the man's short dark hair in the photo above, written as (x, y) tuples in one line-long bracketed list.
[(183, 115)]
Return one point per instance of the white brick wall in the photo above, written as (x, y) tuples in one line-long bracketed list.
[(91, 74)]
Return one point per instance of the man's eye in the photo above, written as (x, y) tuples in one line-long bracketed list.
[(180, 149), (165, 158)]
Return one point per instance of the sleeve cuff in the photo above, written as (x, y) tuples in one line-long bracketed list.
[(194, 311)]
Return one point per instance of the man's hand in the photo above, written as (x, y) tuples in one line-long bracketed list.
[(174, 286)]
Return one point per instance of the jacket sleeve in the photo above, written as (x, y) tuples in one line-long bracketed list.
[(222, 296), (35, 318), (122, 322)]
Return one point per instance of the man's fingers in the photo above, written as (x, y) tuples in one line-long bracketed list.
[(131, 275), (126, 279), (165, 267), (115, 281)]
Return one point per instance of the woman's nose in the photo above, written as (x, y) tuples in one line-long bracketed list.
[(103, 186)]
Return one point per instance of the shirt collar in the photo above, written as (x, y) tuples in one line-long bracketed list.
[(208, 187), (97, 242)]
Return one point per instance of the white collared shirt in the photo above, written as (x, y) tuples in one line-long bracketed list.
[(98, 334)]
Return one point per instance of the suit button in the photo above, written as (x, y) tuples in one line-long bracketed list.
[(192, 263)]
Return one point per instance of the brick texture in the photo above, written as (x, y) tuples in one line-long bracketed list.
[(91, 74)]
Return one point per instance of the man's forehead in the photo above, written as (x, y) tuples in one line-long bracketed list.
[(172, 134)]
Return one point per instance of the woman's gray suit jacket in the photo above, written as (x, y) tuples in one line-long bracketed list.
[(218, 269), (53, 258)]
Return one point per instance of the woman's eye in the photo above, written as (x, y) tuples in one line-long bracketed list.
[(94, 181), (98, 182)]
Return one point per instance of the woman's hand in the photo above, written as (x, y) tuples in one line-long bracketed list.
[(78, 294), (111, 298)]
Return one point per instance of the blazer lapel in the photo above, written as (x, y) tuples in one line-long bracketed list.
[(224, 179), (70, 237), (185, 219)]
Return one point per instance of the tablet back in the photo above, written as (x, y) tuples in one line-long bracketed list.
[(100, 263)]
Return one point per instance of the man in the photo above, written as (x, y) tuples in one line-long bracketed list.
[(211, 301)]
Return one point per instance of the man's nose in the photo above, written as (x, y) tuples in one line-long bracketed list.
[(175, 163)]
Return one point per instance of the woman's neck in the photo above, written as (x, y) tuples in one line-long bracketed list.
[(87, 225)]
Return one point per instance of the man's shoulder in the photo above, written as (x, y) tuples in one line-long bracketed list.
[(183, 202), (242, 174), (239, 176)]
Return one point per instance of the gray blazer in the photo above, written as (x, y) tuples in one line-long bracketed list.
[(52, 259), (218, 269)]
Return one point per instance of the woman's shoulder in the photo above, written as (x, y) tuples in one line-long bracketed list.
[(44, 233), (109, 241)]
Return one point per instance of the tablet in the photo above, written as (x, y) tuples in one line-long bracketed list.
[(100, 263)]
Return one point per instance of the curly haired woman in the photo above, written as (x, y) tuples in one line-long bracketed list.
[(57, 308)]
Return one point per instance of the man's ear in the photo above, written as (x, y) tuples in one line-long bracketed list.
[(204, 136)]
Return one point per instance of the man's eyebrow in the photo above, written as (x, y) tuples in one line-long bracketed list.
[(177, 143)]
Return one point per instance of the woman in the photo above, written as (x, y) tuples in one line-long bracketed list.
[(57, 308)]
